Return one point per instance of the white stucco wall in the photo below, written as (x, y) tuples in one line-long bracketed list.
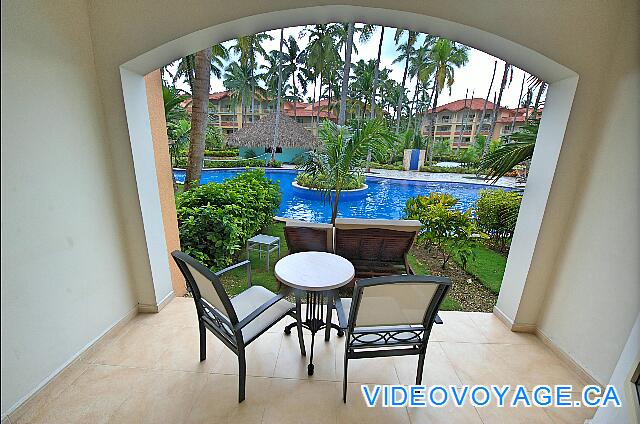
[(51, 85), (594, 297), (65, 279)]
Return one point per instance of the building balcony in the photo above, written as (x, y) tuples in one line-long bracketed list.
[(150, 371)]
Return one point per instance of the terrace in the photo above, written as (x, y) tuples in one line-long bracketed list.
[(130, 376)]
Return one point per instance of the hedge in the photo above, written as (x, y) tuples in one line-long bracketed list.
[(216, 219), (452, 170), (496, 215), (239, 163), (222, 153)]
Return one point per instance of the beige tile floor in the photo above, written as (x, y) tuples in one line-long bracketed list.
[(149, 372)]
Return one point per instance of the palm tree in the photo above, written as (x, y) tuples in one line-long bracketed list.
[(321, 52), (444, 58), (341, 161), (508, 156), (249, 46), (172, 98), (508, 70), (277, 124), (412, 36), (293, 59), (186, 65), (237, 80), (486, 100), (199, 117), (345, 73), (376, 75)]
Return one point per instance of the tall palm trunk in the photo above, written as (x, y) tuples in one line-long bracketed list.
[(319, 99), (496, 108), (376, 75), (486, 100), (536, 105), (199, 118), (515, 115), (277, 125), (413, 103), (404, 81), (342, 115), (464, 116), (253, 84), (334, 207), (433, 122)]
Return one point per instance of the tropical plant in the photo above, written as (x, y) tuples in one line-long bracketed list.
[(443, 226), (179, 133), (342, 159), (444, 58), (213, 137), (216, 219), (199, 118), (406, 51), (187, 65), (496, 215), (506, 74), (249, 46), (237, 80), (519, 149), (172, 98)]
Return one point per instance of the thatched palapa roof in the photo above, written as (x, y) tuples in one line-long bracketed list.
[(260, 134)]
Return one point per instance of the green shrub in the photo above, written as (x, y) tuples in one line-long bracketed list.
[(299, 159), (453, 170), (222, 153), (496, 215), (216, 219), (251, 163), (213, 137), (310, 181), (448, 229), (386, 166)]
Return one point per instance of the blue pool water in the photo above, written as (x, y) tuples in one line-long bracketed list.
[(385, 197)]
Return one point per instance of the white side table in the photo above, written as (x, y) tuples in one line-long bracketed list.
[(319, 275), (270, 244)]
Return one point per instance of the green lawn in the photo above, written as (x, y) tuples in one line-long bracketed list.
[(236, 281), (449, 304), (488, 267)]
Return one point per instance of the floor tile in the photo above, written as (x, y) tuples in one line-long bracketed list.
[(478, 364), (495, 331), (182, 352), (492, 414), (168, 397), (437, 368), (367, 370), (302, 401), (291, 364), (217, 402), (96, 395), (535, 364), (357, 411), (49, 393), (261, 357), (448, 414), (181, 311), (456, 327)]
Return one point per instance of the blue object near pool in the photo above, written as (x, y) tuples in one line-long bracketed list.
[(385, 198)]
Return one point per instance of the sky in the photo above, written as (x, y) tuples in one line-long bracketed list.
[(474, 77)]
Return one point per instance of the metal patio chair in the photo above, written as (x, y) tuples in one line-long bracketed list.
[(237, 321), (390, 316)]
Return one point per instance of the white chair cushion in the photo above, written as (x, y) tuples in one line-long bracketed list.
[(250, 300)]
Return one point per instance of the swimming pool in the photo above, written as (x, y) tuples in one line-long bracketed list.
[(385, 197)]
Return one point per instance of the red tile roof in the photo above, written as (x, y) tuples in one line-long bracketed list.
[(458, 105)]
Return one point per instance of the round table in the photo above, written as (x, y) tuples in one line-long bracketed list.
[(319, 275)]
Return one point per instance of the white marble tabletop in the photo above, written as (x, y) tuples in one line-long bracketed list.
[(314, 271)]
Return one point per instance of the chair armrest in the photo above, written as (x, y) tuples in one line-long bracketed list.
[(342, 318), (246, 263), (260, 309)]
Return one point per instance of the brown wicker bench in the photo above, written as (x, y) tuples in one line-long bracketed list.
[(305, 236), (376, 247)]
